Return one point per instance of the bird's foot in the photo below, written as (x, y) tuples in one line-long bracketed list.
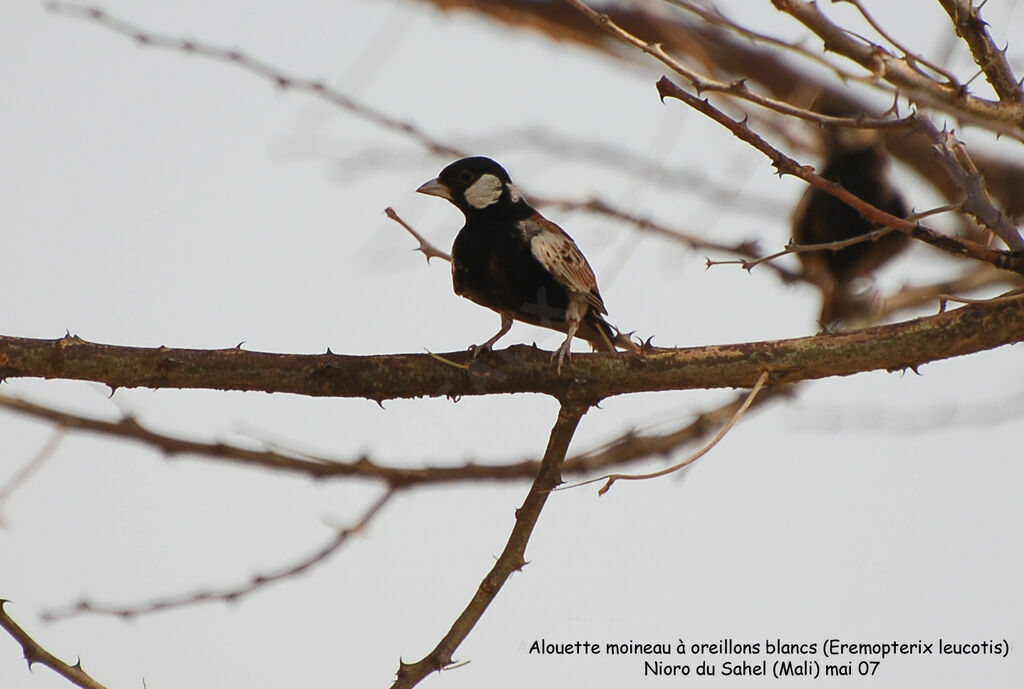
[(562, 354), (476, 350)]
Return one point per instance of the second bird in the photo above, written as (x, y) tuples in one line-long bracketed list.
[(511, 259)]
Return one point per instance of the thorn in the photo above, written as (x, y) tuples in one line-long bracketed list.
[(239, 345)]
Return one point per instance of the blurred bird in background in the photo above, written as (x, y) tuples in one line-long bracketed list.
[(855, 159)]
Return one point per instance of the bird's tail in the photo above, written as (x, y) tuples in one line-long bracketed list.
[(603, 336)]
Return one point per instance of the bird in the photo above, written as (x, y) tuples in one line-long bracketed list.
[(511, 259), (856, 160)]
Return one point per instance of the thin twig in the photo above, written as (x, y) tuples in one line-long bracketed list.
[(628, 448), (978, 277), (512, 558), (716, 17), (34, 653), (32, 466), (737, 88), (1008, 260), (1015, 295), (913, 59), (262, 69), (1002, 117), (425, 247), (989, 57), (235, 593), (748, 249), (612, 478)]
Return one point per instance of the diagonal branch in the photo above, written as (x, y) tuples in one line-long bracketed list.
[(34, 653), (973, 29), (233, 594), (425, 247), (964, 174), (257, 67), (1008, 260), (1004, 116), (512, 557), (520, 369), (737, 88)]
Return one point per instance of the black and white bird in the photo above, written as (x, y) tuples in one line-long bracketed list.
[(856, 160), (511, 259)]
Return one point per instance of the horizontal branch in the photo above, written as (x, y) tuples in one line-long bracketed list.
[(519, 368), (631, 447)]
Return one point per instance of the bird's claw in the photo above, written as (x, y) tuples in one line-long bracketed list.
[(477, 349), (562, 354)]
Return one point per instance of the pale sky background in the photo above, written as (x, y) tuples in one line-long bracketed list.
[(151, 198)]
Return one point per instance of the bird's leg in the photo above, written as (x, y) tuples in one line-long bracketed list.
[(573, 315), (506, 325)]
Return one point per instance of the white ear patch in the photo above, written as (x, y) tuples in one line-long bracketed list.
[(484, 191)]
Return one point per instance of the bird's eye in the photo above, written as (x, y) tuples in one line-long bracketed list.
[(465, 177)]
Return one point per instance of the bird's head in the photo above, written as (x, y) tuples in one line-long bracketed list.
[(474, 184)]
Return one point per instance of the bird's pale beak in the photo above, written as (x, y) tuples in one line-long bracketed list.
[(435, 187)]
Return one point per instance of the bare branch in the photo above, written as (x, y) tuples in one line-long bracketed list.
[(979, 277), (962, 171), (233, 594), (992, 60), (34, 653), (512, 558), (748, 250), (611, 479), (257, 67), (1006, 117), (912, 58), (737, 88), (630, 447), (1008, 260), (520, 368), (425, 247), (32, 466)]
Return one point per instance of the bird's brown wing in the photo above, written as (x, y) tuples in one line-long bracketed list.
[(558, 253)]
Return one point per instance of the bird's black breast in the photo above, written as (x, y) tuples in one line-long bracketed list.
[(493, 266), (828, 219)]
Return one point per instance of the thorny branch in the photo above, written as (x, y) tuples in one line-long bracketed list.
[(425, 247), (233, 594), (964, 248), (737, 88), (1004, 116), (969, 25), (711, 42), (518, 368), (512, 558), (257, 67), (630, 447), (957, 162), (746, 250), (35, 653)]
